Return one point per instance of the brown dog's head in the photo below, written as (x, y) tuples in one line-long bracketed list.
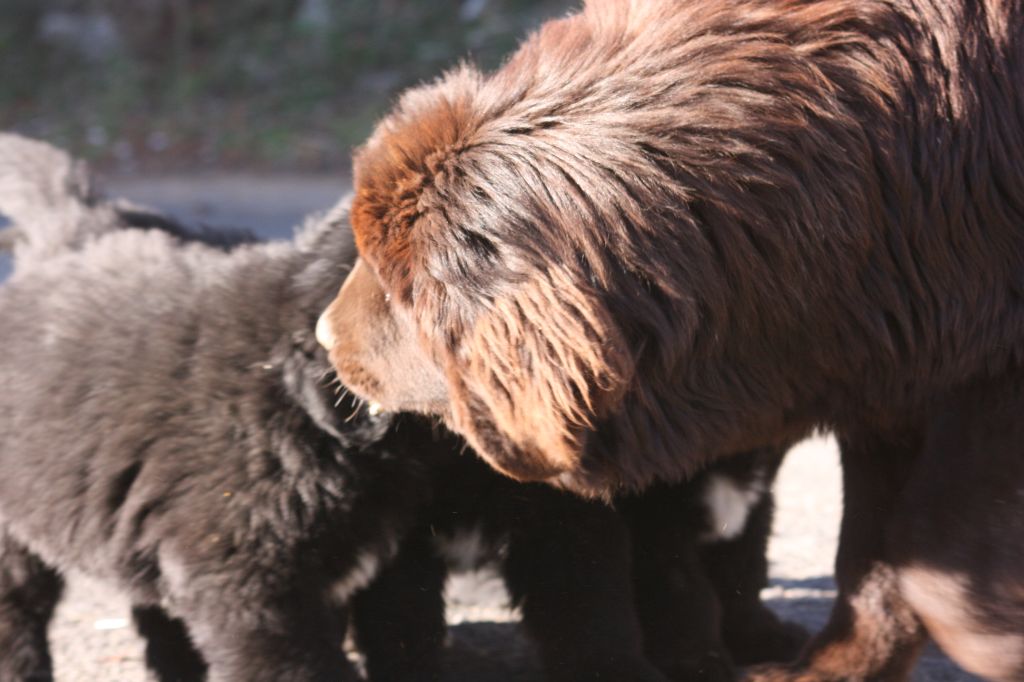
[(464, 276), (486, 302), (542, 257), (524, 379)]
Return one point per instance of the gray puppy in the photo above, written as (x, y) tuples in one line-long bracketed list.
[(153, 434)]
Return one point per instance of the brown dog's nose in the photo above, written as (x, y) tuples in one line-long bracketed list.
[(324, 335)]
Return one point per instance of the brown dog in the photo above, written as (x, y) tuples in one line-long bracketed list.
[(667, 230)]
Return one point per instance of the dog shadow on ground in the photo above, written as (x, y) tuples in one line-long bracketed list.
[(490, 652), (807, 601), (499, 652)]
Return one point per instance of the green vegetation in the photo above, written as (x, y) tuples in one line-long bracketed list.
[(256, 84)]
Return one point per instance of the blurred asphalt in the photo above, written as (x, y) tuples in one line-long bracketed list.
[(93, 641)]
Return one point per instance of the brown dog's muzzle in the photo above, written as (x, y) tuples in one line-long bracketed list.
[(375, 349)]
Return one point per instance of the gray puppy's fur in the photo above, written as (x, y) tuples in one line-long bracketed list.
[(148, 437)]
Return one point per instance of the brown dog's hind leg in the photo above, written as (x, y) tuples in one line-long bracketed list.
[(873, 634), (959, 538)]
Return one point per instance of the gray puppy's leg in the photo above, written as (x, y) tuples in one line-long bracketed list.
[(29, 592)]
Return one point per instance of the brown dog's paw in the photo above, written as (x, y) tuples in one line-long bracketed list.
[(766, 640)]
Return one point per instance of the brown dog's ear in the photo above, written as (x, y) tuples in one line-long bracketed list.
[(534, 374)]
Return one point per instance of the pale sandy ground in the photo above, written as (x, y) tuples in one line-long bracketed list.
[(94, 643)]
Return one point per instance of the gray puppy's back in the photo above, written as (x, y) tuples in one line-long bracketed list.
[(129, 345), (136, 357)]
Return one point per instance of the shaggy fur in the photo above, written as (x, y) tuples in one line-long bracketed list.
[(690, 594), (667, 230), (187, 445), (153, 436), (690, 564)]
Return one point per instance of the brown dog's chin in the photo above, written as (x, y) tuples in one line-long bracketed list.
[(366, 387)]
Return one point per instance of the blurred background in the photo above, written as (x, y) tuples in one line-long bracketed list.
[(255, 85)]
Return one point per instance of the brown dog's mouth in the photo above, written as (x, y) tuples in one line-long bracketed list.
[(325, 337), (375, 352), (366, 387)]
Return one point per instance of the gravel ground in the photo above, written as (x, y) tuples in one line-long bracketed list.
[(93, 640)]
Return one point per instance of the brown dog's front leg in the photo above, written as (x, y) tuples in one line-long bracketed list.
[(872, 634)]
